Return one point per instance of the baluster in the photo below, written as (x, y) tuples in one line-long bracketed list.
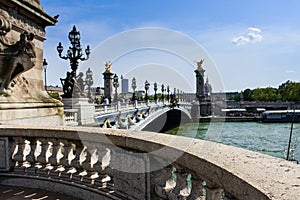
[(213, 192), (76, 161), (102, 167), (53, 159), (197, 188), (68, 148), (181, 183), (65, 162), (160, 180), (31, 157), (87, 165), (42, 158), (19, 156)]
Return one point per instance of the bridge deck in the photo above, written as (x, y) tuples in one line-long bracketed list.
[(20, 193)]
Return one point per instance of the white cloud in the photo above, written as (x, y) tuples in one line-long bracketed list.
[(290, 71), (240, 40), (256, 30), (252, 36)]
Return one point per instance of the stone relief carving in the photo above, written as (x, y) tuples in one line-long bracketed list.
[(21, 22), (15, 58)]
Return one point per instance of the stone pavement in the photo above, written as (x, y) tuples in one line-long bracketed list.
[(20, 193)]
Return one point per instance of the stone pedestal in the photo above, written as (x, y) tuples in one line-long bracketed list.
[(23, 99), (205, 109), (195, 112), (86, 111), (45, 114)]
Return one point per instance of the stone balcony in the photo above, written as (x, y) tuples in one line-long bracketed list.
[(94, 163)]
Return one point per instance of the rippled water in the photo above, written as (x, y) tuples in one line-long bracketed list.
[(266, 138)]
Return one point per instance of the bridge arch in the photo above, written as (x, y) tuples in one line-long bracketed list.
[(165, 119)]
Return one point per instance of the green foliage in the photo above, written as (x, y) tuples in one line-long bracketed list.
[(265, 94), (247, 95), (53, 95), (236, 97), (288, 91)]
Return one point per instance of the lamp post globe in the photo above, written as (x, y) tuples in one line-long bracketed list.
[(45, 65)]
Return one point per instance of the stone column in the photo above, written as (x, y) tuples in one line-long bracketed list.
[(108, 89), (200, 84)]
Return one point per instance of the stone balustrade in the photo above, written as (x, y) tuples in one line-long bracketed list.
[(94, 163), (70, 117)]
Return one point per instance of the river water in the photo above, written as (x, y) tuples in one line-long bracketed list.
[(267, 138)]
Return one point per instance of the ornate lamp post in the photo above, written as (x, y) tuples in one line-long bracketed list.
[(147, 85), (74, 54), (133, 85), (45, 65), (168, 91), (89, 82), (155, 89), (116, 85), (162, 93)]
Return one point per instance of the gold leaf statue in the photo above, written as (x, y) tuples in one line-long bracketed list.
[(107, 66)]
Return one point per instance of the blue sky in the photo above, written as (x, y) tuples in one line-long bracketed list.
[(249, 44)]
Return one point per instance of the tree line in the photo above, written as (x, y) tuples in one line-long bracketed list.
[(288, 91)]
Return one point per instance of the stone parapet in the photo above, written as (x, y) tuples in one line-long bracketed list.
[(119, 164)]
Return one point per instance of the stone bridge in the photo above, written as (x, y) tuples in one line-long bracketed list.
[(154, 117), (99, 163)]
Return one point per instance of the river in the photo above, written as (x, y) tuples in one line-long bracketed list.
[(267, 138)]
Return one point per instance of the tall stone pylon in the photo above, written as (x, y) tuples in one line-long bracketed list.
[(107, 76)]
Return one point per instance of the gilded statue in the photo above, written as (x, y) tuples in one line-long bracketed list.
[(199, 63), (107, 66)]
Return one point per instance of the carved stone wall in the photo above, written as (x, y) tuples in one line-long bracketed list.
[(26, 86)]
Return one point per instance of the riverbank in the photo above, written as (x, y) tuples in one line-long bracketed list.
[(229, 119)]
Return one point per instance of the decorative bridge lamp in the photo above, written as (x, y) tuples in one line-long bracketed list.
[(147, 85), (162, 93), (89, 82), (74, 54), (155, 89), (116, 85), (133, 85), (168, 91), (45, 65)]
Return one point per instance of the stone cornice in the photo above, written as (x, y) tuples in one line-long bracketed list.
[(31, 9)]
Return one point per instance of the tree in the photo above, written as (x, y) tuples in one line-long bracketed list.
[(290, 91), (247, 95), (265, 94)]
